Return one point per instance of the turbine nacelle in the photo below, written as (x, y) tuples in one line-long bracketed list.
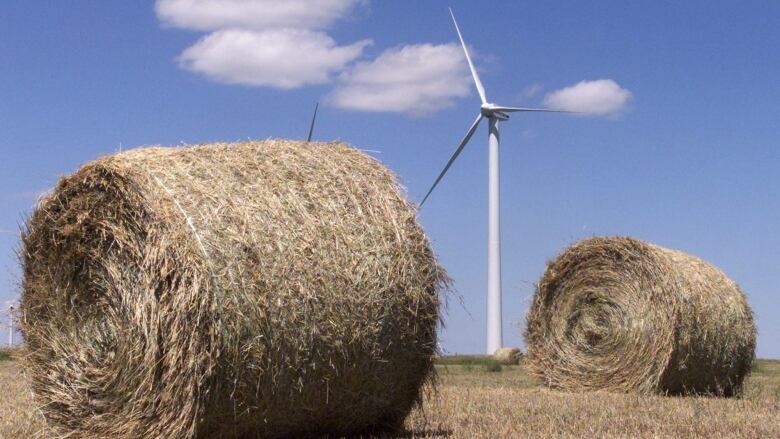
[(492, 110)]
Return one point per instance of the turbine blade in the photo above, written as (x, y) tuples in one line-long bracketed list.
[(455, 155), (544, 110), (480, 88), (313, 118)]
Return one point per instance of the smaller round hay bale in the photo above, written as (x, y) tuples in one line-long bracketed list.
[(624, 315), (508, 356)]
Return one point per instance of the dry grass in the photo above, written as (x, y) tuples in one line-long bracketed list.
[(474, 403), (621, 314), (220, 289), (508, 356), (510, 405), (18, 416)]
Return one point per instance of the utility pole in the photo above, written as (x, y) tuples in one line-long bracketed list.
[(10, 326)]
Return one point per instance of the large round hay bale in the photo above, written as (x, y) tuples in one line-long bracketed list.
[(258, 289), (624, 315), (508, 356)]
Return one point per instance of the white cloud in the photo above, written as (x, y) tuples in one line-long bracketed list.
[(599, 97), (270, 43), (281, 58), (252, 14), (282, 44), (416, 79)]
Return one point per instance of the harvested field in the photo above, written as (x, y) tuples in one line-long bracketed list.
[(474, 403)]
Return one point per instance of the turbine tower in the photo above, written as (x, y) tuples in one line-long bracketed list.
[(494, 113)]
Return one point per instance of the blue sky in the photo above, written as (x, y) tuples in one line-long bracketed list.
[(689, 161)]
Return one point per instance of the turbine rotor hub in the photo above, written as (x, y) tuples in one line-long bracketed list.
[(490, 109), (487, 109)]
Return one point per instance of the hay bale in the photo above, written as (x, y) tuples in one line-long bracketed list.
[(508, 356), (624, 315), (270, 288)]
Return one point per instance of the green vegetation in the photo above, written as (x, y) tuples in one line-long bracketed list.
[(464, 360), (766, 368), (471, 362), (493, 366)]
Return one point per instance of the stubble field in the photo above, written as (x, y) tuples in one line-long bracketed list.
[(474, 400)]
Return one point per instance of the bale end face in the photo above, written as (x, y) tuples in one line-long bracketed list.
[(624, 315), (508, 356)]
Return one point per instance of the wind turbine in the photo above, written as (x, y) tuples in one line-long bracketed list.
[(313, 118), (494, 113)]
